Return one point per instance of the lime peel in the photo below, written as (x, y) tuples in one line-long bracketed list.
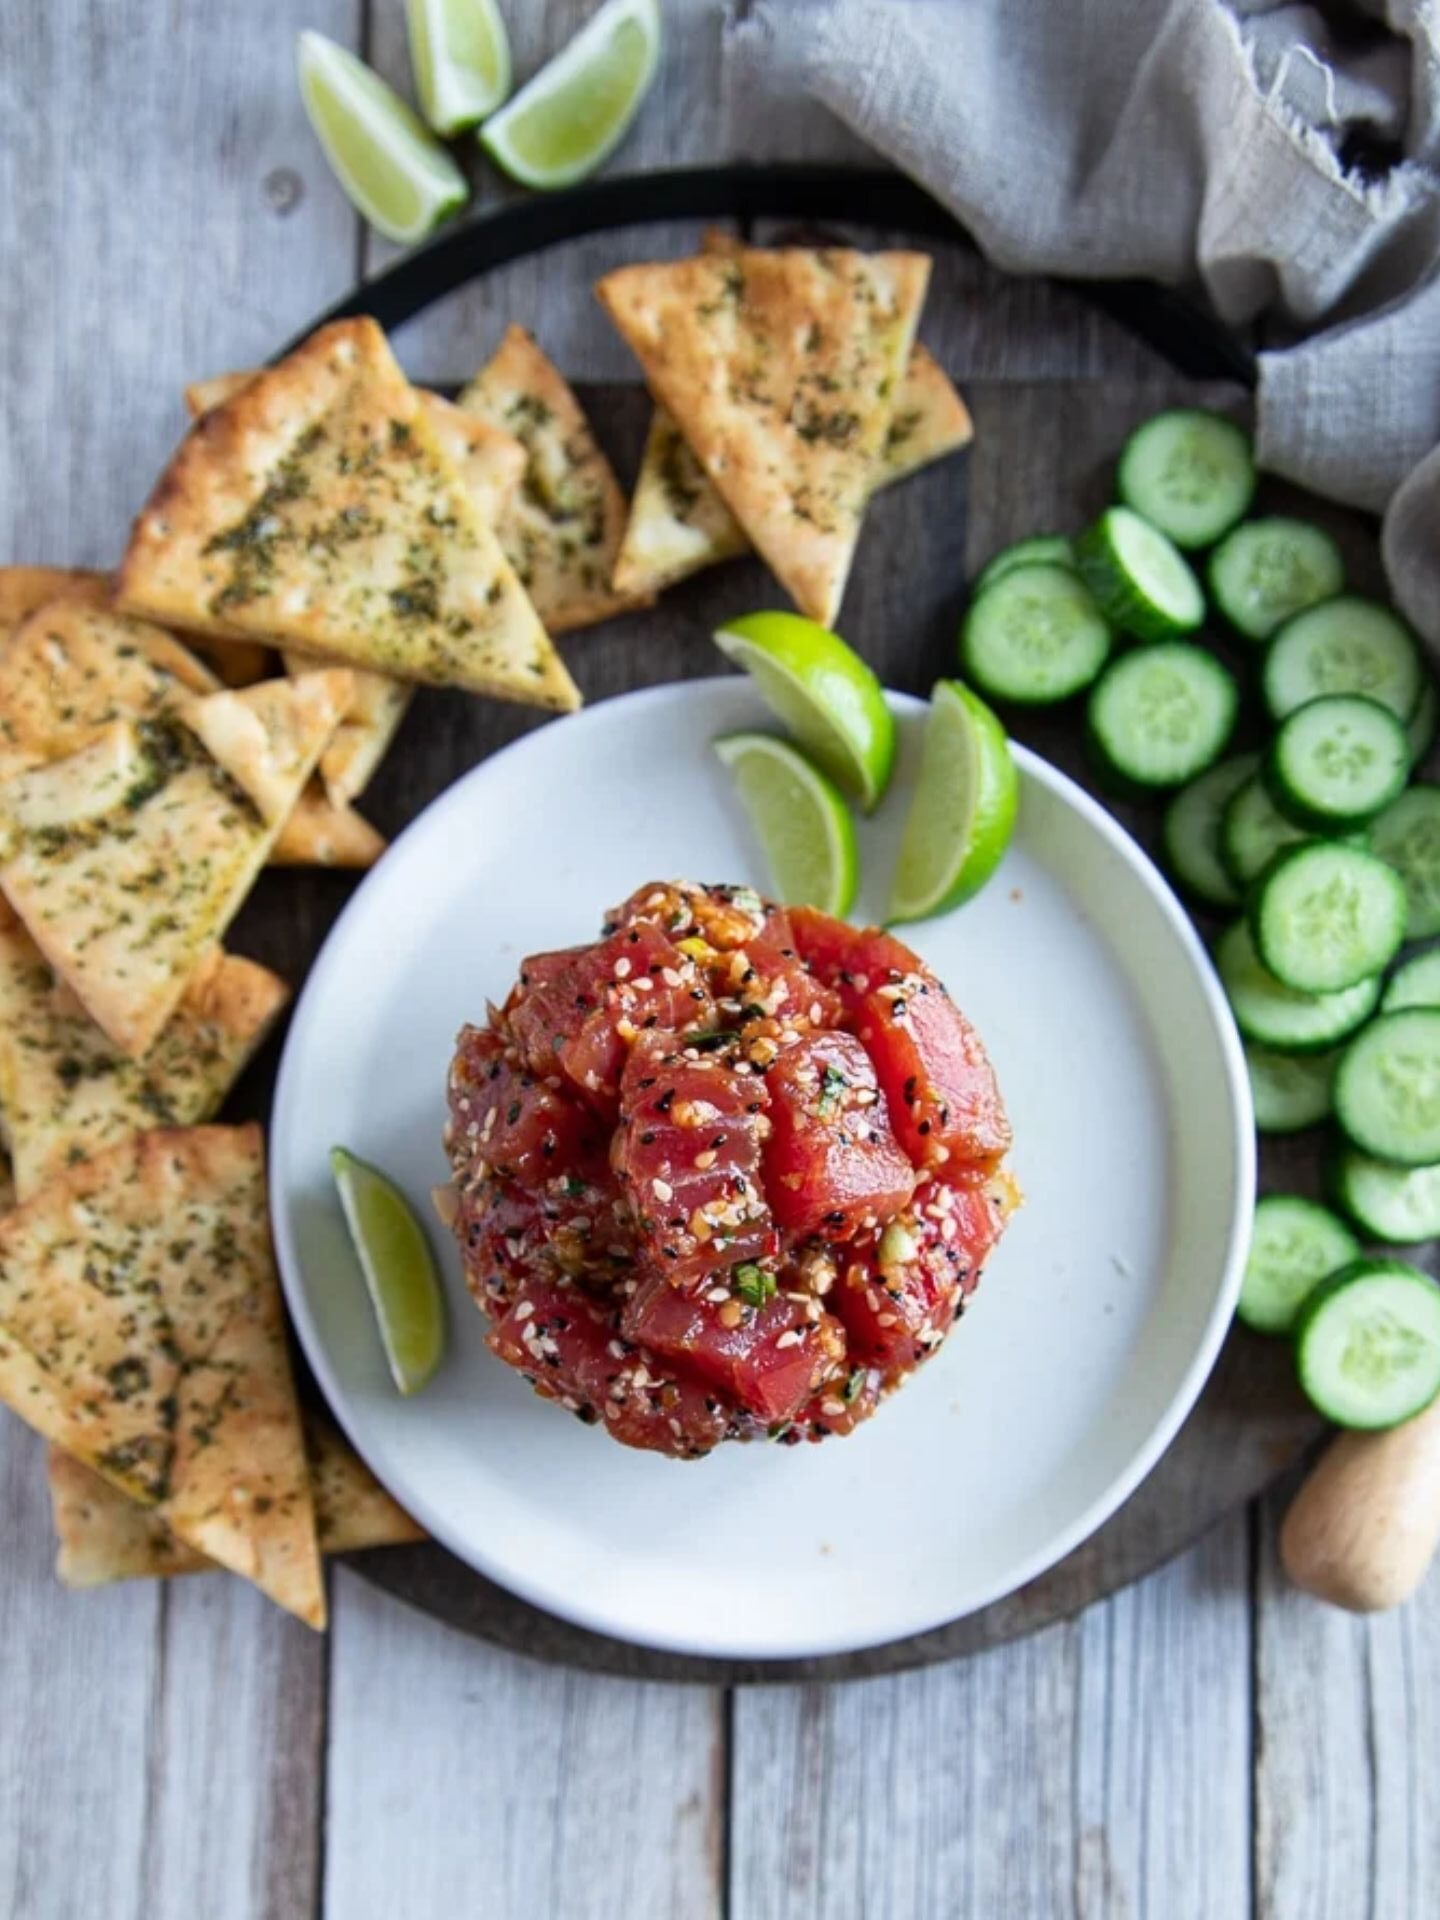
[(460, 56), (399, 1268), (963, 812), (800, 819)]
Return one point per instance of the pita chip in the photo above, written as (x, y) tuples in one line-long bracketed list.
[(139, 1293), (23, 589), (354, 751), (316, 509), (780, 367), (75, 665), (102, 1535), (562, 531), (129, 858), (68, 1093)]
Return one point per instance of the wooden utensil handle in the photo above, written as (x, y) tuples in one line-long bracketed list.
[(1361, 1531)]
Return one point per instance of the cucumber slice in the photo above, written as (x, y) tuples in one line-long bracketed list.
[(1348, 645), (1289, 1091), (1326, 917), (1252, 832), (1143, 583), (1192, 831), (1190, 473), (1048, 549), (1399, 1205), (1275, 1015), (1267, 571), (1162, 715), (1337, 762), (1387, 1088), (1423, 724), (1294, 1245), (1034, 637), (1416, 984), (1407, 838), (1367, 1344)]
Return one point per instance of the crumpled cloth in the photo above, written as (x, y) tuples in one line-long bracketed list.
[(1287, 169)]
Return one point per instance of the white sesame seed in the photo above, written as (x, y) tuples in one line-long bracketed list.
[(622, 968), (662, 1189), (705, 1160), (525, 1309), (792, 1338)]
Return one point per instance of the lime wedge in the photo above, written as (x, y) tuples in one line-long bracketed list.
[(824, 692), (800, 819), (399, 1269), (576, 110), (394, 170), (963, 813), (460, 54)]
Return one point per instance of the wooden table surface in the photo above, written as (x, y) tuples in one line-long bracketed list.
[(1205, 1746)]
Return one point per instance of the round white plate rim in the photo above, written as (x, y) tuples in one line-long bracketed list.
[(572, 1606)]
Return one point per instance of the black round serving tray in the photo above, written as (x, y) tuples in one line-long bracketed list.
[(900, 609)]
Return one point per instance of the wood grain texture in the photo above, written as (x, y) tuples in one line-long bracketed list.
[(465, 1780)]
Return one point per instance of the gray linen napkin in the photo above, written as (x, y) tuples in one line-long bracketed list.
[(1200, 144)]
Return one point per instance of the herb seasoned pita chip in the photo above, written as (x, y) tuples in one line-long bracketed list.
[(562, 531), (103, 1535), (360, 742), (76, 665), (318, 833), (23, 589), (128, 859), (68, 1093), (139, 1294), (679, 524), (780, 367), (316, 508)]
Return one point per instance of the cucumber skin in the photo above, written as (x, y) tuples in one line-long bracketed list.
[(1342, 1099), (1325, 1044), (1252, 640), (978, 675), (1126, 785), (1036, 549), (1358, 1270), (1338, 1174), (1263, 1323), (1314, 819), (1255, 914), (1115, 597), (1125, 482)]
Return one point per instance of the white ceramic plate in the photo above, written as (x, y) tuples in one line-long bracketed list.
[(1094, 1328)]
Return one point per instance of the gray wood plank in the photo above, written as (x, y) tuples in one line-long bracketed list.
[(1347, 1789), (1098, 1769), (163, 212), (455, 1767)]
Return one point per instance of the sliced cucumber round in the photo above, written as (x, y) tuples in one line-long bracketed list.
[(1267, 571), (1190, 473), (1347, 645), (1289, 1091), (1367, 1344), (1337, 762), (1049, 549), (1192, 831), (1325, 917), (1423, 724), (1294, 1245), (1162, 715), (1033, 638), (1252, 831), (1407, 837), (1274, 1015), (1142, 582), (1416, 984), (1387, 1088), (1399, 1205)]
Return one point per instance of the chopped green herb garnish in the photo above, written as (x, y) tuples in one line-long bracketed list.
[(752, 1284)]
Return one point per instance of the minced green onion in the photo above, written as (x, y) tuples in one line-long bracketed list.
[(753, 1284)]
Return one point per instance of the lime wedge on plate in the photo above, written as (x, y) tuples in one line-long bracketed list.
[(825, 694), (800, 819), (399, 1269), (576, 110), (460, 56), (963, 813), (394, 170)]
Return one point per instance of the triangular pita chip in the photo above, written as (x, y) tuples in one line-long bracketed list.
[(360, 742), (128, 859), (679, 524), (23, 589), (317, 509), (138, 1295), (103, 1535), (67, 1093), (563, 529), (75, 665), (320, 834), (781, 367)]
